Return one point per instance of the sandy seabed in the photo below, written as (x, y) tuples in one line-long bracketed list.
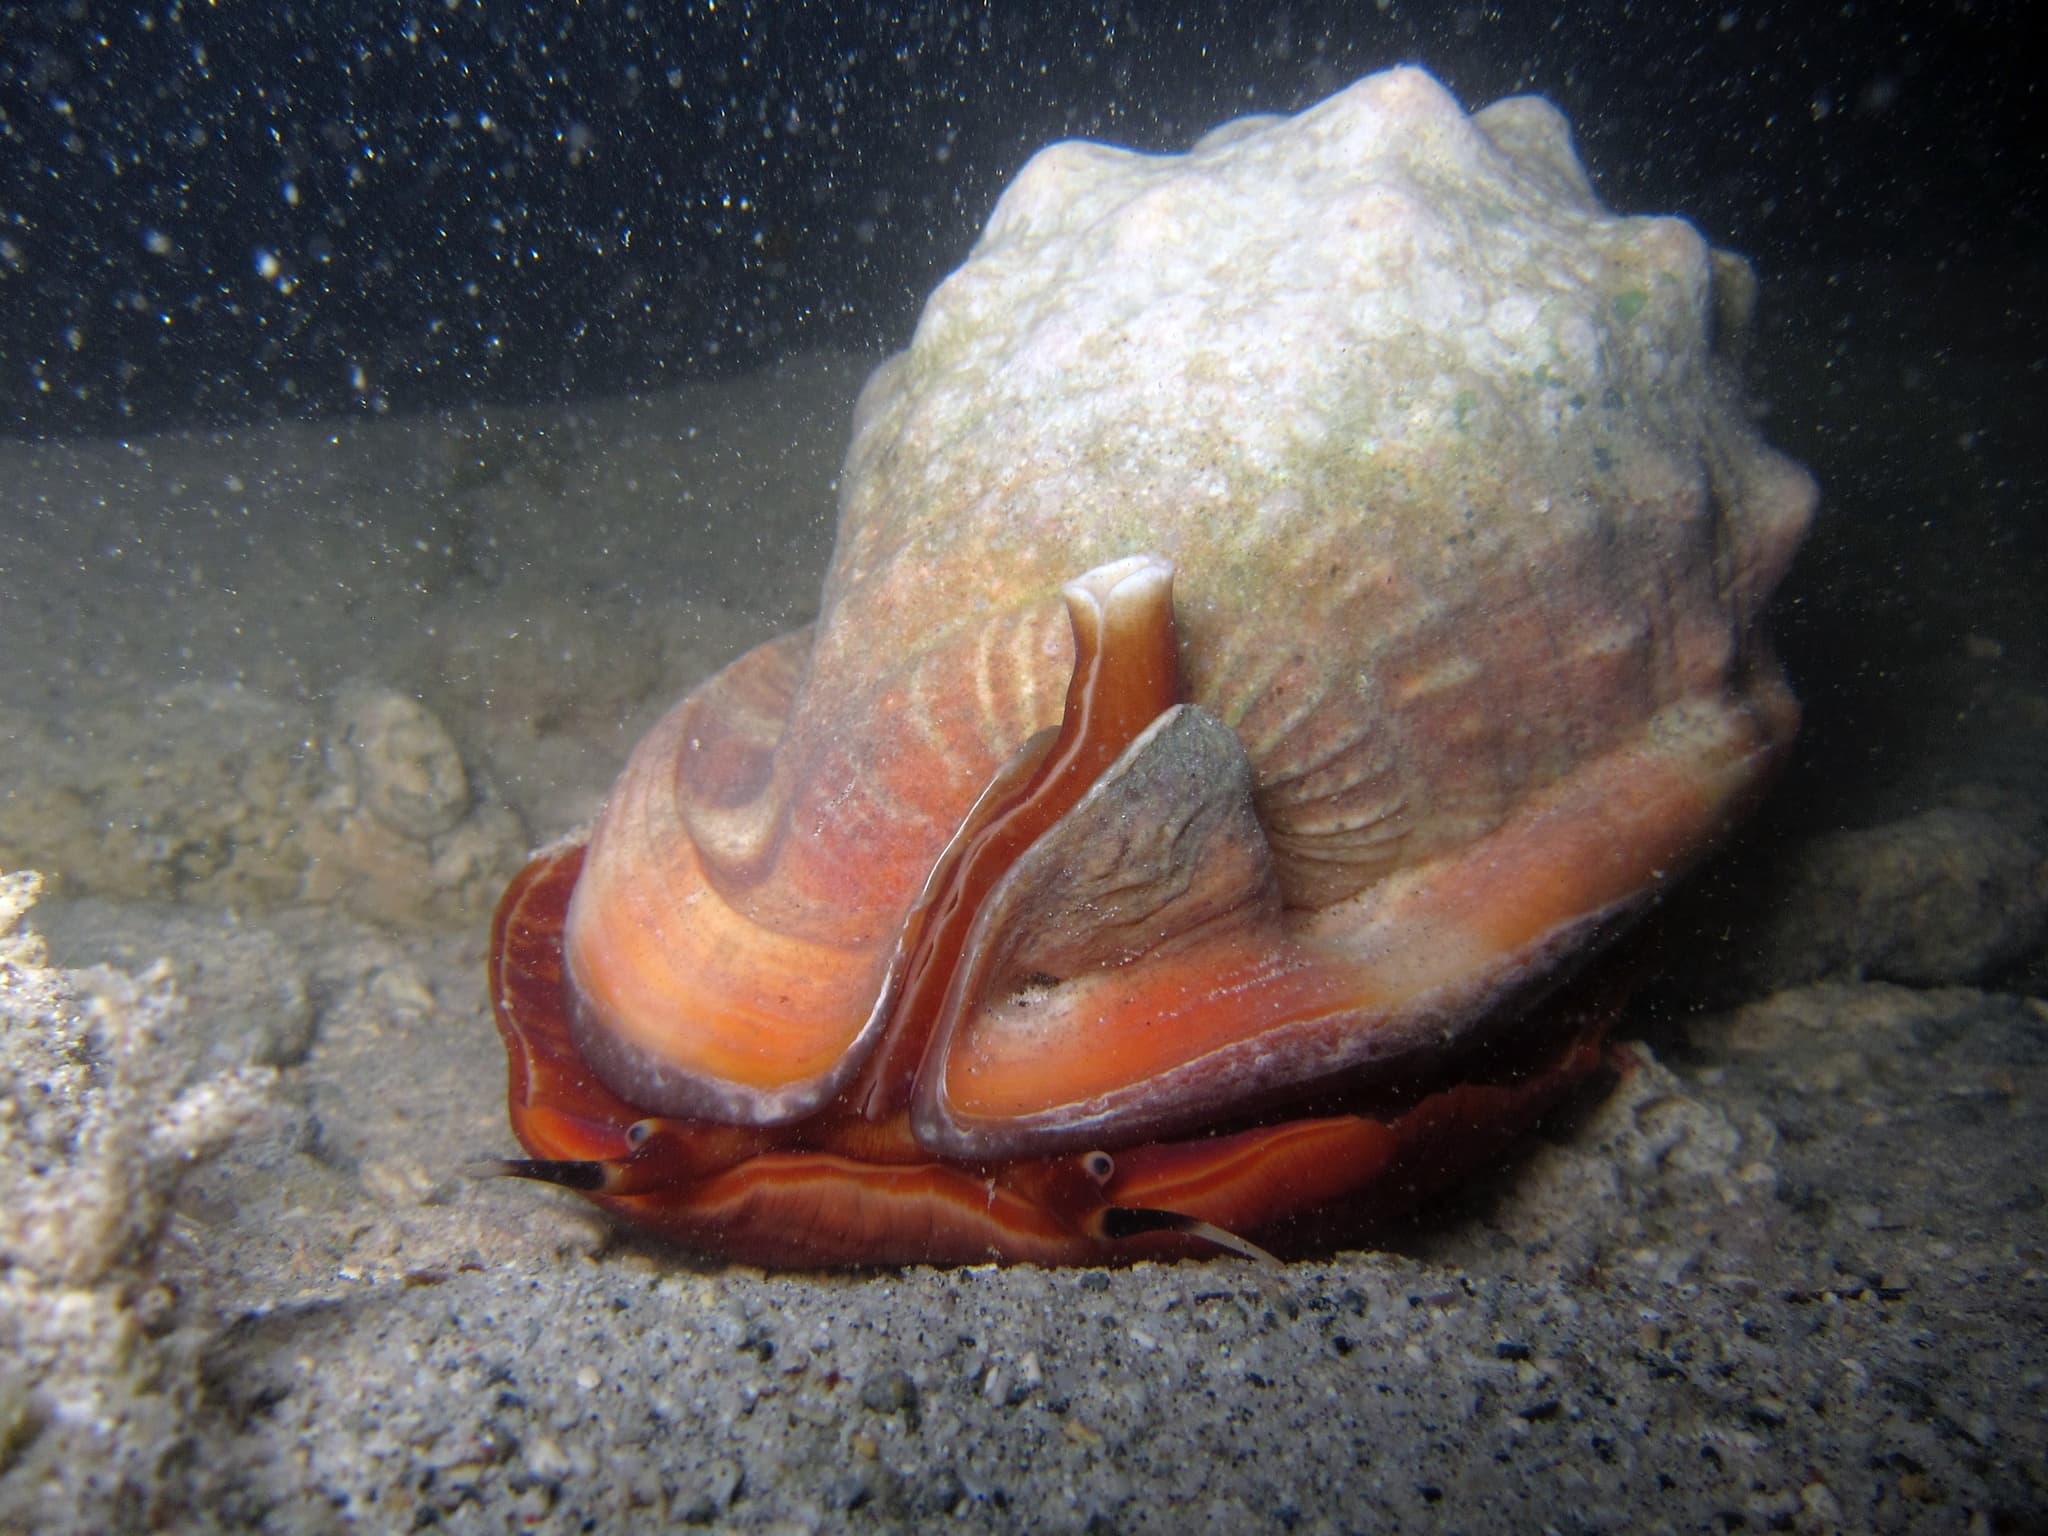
[(283, 708)]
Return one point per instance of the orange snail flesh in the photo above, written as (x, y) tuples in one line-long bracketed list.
[(897, 1163)]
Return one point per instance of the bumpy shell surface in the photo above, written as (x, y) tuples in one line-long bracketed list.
[(1469, 540)]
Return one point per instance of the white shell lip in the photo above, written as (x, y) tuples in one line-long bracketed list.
[(1133, 579)]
